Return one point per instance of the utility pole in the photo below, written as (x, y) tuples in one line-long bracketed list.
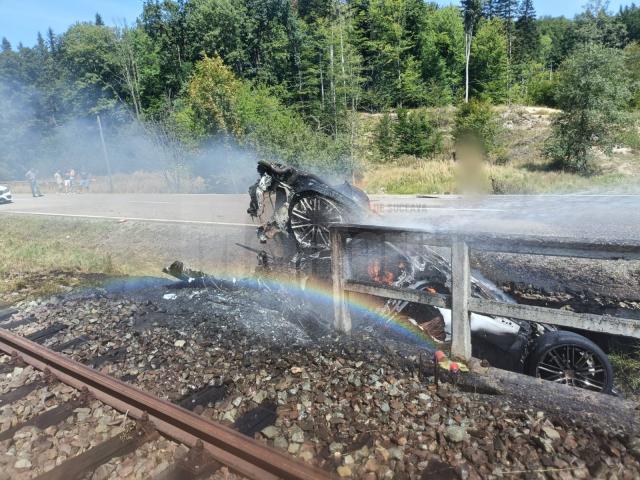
[(106, 155)]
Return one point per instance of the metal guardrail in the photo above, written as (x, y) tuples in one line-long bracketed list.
[(460, 301)]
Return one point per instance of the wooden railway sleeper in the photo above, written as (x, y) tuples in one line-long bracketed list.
[(139, 433), (50, 417)]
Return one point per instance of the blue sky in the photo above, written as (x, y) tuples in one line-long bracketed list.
[(20, 20), (568, 8)]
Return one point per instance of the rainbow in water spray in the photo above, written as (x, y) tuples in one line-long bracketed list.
[(361, 306)]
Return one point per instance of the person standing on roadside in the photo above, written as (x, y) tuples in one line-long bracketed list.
[(58, 178), (32, 176), (85, 180), (72, 180), (67, 181)]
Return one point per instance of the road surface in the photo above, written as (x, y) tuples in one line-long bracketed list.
[(602, 217)]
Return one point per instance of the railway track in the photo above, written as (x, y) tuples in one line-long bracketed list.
[(145, 419)]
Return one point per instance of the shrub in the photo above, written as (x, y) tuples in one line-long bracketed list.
[(476, 124), (541, 91), (417, 134), (385, 138)]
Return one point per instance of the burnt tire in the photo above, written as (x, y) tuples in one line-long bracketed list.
[(310, 216), (571, 359)]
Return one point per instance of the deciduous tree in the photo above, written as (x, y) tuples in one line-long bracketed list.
[(593, 94)]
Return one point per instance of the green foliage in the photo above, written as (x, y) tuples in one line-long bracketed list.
[(557, 34), (211, 95), (412, 133), (527, 35), (471, 13), (388, 31), (289, 78), (489, 62), (541, 89), (442, 56), (595, 25), (385, 138), (477, 124), (629, 16), (592, 93), (632, 64), (87, 53), (417, 134), (218, 103)]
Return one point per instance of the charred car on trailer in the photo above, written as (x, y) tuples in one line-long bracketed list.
[(302, 210), (5, 194)]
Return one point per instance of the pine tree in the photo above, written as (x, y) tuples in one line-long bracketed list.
[(99, 21), (508, 11), (527, 41), (52, 41), (6, 45), (312, 10), (489, 9)]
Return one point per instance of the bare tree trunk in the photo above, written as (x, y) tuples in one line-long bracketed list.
[(344, 76), (510, 39), (321, 86), (333, 87), (467, 54), (129, 71)]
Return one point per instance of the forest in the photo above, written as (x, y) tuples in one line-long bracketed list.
[(305, 81)]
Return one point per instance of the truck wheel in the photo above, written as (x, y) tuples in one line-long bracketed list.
[(571, 359)]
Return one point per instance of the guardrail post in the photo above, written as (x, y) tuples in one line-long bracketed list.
[(342, 316), (460, 292)]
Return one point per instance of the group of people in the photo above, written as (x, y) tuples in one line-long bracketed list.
[(72, 182)]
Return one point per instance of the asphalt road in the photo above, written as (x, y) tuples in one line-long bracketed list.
[(601, 217), (227, 211), (589, 217)]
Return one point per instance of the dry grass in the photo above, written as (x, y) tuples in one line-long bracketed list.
[(415, 176), (41, 245), (626, 364), (518, 168), (44, 256), (149, 182)]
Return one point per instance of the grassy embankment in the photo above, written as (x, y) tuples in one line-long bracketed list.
[(46, 256), (522, 170)]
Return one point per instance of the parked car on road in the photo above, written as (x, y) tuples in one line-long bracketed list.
[(5, 194)]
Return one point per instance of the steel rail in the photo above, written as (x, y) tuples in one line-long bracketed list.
[(241, 454)]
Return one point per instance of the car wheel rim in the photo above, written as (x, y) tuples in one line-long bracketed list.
[(573, 365), (310, 217)]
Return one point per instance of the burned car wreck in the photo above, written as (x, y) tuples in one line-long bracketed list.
[(303, 205), (302, 210), (535, 349)]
